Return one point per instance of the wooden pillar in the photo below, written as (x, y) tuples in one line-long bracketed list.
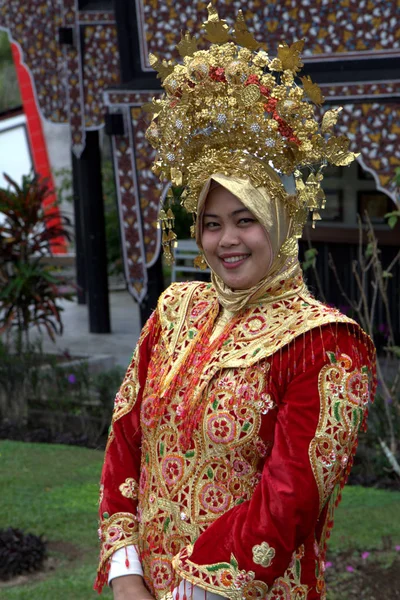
[(92, 211)]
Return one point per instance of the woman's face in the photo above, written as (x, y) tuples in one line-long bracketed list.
[(235, 244)]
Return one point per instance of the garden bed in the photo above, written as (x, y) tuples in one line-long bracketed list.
[(53, 490)]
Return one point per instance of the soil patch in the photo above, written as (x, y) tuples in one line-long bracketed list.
[(372, 578), (61, 552)]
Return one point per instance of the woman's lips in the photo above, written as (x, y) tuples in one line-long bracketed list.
[(234, 261)]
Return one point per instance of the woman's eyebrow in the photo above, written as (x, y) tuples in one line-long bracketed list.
[(240, 210), (232, 214)]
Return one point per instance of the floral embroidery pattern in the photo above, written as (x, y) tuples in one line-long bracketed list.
[(225, 579), (344, 396), (214, 498), (126, 396), (172, 469), (289, 586), (221, 428), (161, 574), (129, 488), (117, 531), (186, 485), (101, 493), (263, 554)]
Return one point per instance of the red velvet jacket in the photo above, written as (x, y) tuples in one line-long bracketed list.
[(227, 454)]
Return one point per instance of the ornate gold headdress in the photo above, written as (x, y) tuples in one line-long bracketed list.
[(233, 110)]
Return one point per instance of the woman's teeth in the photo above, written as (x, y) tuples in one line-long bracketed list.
[(233, 259)]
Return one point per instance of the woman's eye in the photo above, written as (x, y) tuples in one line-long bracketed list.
[(246, 221), (211, 225)]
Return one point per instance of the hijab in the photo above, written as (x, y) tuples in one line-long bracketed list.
[(284, 274)]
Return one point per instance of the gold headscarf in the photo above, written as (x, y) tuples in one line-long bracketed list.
[(284, 275)]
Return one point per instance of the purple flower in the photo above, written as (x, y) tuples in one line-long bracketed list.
[(397, 548), (383, 328), (365, 555), (350, 569), (71, 378), (344, 308), (328, 565)]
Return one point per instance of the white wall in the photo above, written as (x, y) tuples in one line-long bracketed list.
[(15, 157)]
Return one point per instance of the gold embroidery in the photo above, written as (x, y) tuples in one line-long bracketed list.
[(183, 488), (289, 585), (129, 488), (126, 395), (344, 395), (263, 331), (263, 554), (225, 579), (101, 493), (115, 532)]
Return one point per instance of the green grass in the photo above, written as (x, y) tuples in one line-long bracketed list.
[(53, 490), (363, 517)]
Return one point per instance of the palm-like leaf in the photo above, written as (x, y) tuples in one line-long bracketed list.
[(30, 290)]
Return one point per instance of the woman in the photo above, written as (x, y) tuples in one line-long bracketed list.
[(234, 429)]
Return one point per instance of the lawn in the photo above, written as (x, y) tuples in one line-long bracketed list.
[(52, 490)]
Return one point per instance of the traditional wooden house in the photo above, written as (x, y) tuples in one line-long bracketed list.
[(89, 61)]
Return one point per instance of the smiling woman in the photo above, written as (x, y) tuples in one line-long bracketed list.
[(234, 429), (236, 246)]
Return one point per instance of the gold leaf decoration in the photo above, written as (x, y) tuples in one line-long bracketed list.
[(250, 94), (290, 56), (337, 151), (345, 159), (243, 36), (176, 177), (330, 119), (153, 107), (275, 65), (187, 46), (216, 29), (200, 262), (163, 68), (312, 90)]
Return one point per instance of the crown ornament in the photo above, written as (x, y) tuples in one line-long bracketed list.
[(232, 109)]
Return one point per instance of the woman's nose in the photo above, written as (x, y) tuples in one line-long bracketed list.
[(229, 237)]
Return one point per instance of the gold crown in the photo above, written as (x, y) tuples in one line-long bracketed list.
[(231, 109)]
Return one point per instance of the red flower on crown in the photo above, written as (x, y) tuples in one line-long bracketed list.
[(252, 80), (217, 74)]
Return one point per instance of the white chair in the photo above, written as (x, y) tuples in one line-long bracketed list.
[(185, 253)]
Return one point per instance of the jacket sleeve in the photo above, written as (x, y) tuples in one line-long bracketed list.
[(320, 411), (120, 476)]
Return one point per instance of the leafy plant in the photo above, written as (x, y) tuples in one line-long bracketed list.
[(29, 288), (20, 552), (62, 396), (393, 216), (372, 280)]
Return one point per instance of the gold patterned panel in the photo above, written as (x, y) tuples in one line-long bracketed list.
[(344, 394), (115, 532), (289, 585), (225, 579), (262, 331)]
